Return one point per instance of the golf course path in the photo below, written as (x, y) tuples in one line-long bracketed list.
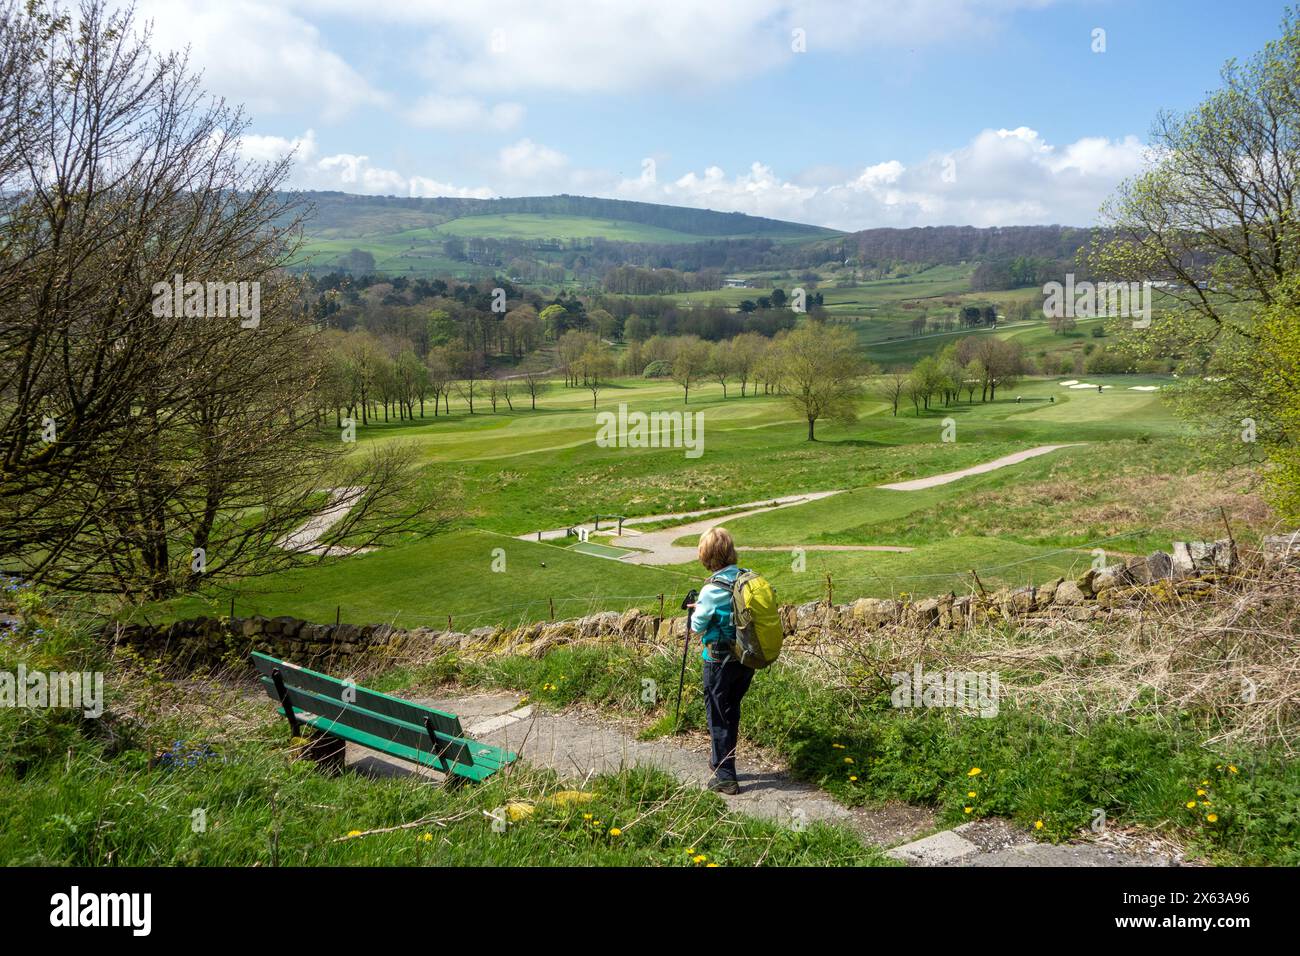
[(307, 538), (578, 745), (763, 505), (919, 484), (657, 548)]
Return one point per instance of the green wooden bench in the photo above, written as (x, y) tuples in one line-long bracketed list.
[(390, 725)]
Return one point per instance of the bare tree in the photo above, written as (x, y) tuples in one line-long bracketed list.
[(149, 439), (747, 350), (892, 386), (596, 366), (535, 376)]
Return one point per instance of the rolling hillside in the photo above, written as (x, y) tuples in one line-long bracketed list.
[(337, 215), (410, 235)]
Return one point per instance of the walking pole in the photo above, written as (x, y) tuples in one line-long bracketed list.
[(681, 682), (685, 649)]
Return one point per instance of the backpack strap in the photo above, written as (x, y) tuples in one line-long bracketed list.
[(716, 579), (728, 586)]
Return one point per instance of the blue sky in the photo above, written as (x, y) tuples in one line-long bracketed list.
[(910, 112)]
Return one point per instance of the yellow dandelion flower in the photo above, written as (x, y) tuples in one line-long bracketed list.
[(974, 772), (691, 851), (586, 816), (1191, 804), (1212, 817), (1205, 803), (426, 837), (970, 793), (699, 859), (968, 809), (1038, 824), (615, 831), (848, 760), (1231, 769), (1200, 792), (353, 833), (852, 777), (838, 746), (709, 866)]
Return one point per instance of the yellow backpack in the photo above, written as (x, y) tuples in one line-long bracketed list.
[(757, 619)]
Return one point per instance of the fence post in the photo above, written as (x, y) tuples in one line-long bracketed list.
[(551, 602)]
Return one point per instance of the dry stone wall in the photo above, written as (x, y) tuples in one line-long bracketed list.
[(1119, 591)]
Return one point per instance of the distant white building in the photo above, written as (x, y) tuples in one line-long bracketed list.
[(732, 282)]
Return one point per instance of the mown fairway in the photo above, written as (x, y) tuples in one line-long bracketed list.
[(514, 473)]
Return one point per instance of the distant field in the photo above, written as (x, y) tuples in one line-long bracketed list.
[(395, 254), (543, 226), (406, 243)]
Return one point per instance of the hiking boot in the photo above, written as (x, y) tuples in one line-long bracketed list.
[(729, 787)]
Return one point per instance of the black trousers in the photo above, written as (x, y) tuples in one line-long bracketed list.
[(725, 683)]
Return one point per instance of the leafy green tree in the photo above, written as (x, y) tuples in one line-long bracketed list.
[(1213, 220), (821, 370), (555, 320), (691, 359)]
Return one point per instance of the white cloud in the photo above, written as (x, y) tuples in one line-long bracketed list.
[(529, 161), (259, 55), (464, 113), (598, 46), (346, 172), (1002, 177), (263, 148)]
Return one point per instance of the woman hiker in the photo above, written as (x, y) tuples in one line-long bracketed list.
[(725, 679)]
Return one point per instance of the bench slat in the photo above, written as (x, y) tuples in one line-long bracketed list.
[(377, 725), (383, 704), (473, 772)]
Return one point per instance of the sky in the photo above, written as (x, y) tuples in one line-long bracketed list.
[(845, 114)]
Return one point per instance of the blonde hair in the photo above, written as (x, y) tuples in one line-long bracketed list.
[(717, 549)]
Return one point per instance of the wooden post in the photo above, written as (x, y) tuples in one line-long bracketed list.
[(661, 607), (979, 583), (449, 627), (551, 602), (830, 589), (232, 608), (338, 614), (1228, 528)]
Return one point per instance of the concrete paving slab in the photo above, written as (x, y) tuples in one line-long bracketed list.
[(938, 849)]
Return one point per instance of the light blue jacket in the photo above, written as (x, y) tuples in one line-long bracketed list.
[(711, 619)]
